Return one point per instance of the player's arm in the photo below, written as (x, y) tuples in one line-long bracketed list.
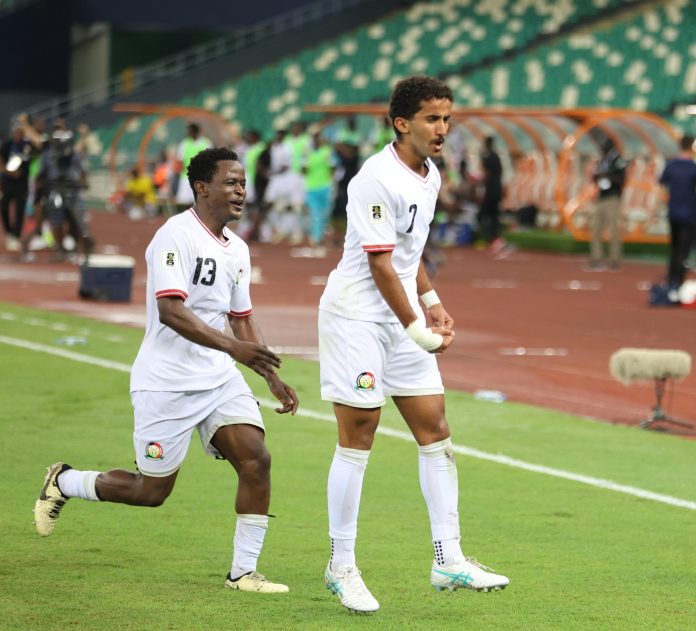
[(174, 314), (435, 339), (436, 312), (247, 330)]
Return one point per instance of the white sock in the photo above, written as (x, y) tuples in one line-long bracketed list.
[(439, 484), (74, 483), (344, 491), (248, 541)]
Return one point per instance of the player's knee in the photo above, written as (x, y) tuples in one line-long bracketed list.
[(257, 467), (153, 496)]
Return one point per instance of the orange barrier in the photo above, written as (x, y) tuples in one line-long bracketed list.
[(555, 175)]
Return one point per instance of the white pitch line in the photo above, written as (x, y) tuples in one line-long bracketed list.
[(394, 433)]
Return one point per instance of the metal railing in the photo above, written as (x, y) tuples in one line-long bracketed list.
[(128, 83)]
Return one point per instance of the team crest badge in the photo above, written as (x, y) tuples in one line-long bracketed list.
[(377, 212), (170, 259), (365, 381), (154, 451)]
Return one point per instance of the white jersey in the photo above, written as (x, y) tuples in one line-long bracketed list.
[(185, 260), (390, 208)]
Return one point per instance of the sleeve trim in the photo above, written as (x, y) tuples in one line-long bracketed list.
[(381, 247), (175, 293), (240, 314)]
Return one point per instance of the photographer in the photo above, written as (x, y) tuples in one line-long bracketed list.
[(64, 178), (609, 175), (15, 155)]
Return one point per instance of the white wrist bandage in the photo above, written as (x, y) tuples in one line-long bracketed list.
[(423, 336), (430, 299)]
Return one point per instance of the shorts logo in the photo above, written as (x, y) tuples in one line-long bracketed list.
[(154, 451), (365, 381), (377, 212), (170, 259)]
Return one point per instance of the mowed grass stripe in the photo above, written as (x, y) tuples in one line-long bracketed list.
[(401, 435)]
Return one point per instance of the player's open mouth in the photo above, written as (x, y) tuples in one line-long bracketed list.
[(437, 145), (237, 205)]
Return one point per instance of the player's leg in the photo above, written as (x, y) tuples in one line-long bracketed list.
[(164, 422), (415, 384), (235, 431), (63, 482), (351, 358)]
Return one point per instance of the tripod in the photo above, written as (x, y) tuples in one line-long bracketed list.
[(658, 413)]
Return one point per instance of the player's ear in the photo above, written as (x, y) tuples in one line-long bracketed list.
[(401, 124), (201, 188)]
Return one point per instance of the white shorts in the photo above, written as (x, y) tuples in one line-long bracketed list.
[(164, 422), (362, 363)]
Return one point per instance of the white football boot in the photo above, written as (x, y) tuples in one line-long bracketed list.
[(255, 582), (469, 573), (51, 501), (348, 585)]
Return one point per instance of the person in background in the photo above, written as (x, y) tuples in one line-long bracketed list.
[(383, 134), (347, 146), (162, 181), (679, 176), (140, 199), (252, 166), (319, 167), (489, 211), (15, 157), (300, 143), (285, 193), (189, 147), (64, 178), (609, 174)]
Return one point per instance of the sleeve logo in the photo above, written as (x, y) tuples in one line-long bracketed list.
[(377, 212), (170, 259)]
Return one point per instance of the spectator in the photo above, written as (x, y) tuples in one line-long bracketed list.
[(679, 177), (139, 200), (285, 193), (347, 147), (489, 213), (609, 175), (300, 143), (189, 147), (256, 180), (162, 180), (319, 167)]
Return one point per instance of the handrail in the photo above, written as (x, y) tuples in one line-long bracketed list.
[(125, 84)]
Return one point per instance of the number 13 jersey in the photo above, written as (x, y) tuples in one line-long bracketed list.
[(187, 261), (390, 208)]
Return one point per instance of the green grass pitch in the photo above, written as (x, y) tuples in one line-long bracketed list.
[(578, 556)]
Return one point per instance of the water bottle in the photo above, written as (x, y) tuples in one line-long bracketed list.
[(495, 396)]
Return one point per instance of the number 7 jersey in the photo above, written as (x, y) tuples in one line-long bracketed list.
[(187, 261), (390, 208)]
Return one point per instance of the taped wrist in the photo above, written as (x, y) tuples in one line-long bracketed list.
[(430, 299), (423, 336)]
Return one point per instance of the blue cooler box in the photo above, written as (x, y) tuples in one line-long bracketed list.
[(106, 277)]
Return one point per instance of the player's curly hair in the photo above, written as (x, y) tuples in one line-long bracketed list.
[(204, 165), (408, 95)]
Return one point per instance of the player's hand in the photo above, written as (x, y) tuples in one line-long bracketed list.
[(439, 317), (447, 337), (259, 358), (284, 393)]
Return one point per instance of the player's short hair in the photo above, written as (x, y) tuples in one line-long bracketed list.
[(409, 94), (204, 165)]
